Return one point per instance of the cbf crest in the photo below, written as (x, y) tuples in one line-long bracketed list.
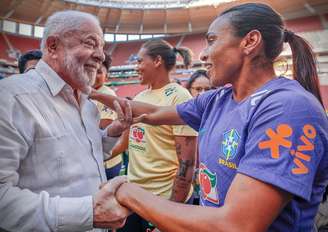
[(230, 144), (229, 147)]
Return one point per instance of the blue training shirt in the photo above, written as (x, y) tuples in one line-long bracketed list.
[(278, 135)]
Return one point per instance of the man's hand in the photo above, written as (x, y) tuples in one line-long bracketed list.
[(107, 212), (123, 121)]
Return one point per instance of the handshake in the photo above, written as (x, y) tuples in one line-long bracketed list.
[(107, 211)]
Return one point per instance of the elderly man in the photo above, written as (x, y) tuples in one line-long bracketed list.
[(51, 153)]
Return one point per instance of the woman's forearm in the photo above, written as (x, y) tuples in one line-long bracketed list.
[(150, 114), (170, 216)]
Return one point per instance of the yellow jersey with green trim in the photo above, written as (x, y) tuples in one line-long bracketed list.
[(153, 160)]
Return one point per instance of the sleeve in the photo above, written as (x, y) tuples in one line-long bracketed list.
[(22, 209), (191, 111), (284, 145), (105, 111), (108, 143), (183, 130)]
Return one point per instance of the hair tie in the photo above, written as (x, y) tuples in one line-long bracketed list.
[(288, 35)]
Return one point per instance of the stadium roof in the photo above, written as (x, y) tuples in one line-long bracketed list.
[(148, 16), (149, 4)]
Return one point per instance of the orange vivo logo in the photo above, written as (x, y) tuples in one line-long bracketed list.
[(279, 138)]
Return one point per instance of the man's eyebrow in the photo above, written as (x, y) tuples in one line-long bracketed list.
[(96, 39)]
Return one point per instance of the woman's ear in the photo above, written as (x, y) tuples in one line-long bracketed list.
[(158, 61), (251, 43)]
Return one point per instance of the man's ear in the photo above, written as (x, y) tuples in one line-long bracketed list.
[(158, 61), (52, 44), (251, 43)]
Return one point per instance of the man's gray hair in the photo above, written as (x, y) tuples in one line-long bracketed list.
[(64, 21)]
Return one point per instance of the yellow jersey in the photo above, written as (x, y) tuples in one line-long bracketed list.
[(153, 161)]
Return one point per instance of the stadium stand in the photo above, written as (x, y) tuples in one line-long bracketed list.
[(313, 28)]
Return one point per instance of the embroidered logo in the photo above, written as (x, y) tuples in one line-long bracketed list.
[(106, 109), (138, 133), (169, 91), (230, 144), (208, 184), (137, 140), (229, 147)]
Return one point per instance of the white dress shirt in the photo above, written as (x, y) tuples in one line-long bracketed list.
[(51, 154)]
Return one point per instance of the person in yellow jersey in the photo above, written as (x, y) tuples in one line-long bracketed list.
[(161, 158), (112, 166)]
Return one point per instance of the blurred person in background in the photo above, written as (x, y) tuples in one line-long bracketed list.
[(107, 116), (198, 83), (28, 60)]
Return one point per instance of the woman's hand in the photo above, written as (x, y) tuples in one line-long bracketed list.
[(123, 121)]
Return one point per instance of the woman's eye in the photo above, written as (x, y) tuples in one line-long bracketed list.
[(210, 41)]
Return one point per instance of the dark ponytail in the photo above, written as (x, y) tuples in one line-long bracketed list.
[(257, 16), (304, 63), (186, 55), (304, 69), (168, 53)]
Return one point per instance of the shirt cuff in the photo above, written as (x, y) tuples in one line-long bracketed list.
[(75, 214)]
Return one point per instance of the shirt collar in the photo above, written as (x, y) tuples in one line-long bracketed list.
[(54, 82)]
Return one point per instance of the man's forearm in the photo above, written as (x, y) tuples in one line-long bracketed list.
[(20, 208)]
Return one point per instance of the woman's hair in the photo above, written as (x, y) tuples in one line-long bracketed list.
[(198, 73), (168, 53), (108, 61), (256, 16)]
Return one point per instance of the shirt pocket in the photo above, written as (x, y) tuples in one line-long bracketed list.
[(50, 160)]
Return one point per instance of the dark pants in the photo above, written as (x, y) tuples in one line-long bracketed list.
[(113, 171), (135, 223)]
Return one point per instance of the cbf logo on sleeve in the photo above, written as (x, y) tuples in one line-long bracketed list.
[(208, 183), (229, 147), (170, 90)]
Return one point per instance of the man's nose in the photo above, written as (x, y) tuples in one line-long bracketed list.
[(99, 55), (203, 56)]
